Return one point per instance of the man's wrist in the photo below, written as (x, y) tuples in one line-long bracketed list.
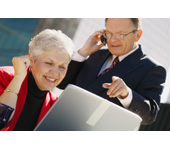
[(123, 96), (127, 101), (83, 52), (78, 57)]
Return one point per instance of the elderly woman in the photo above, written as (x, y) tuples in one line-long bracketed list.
[(25, 87)]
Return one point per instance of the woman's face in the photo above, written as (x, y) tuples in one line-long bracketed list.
[(49, 68)]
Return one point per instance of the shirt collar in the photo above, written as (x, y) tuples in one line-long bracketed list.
[(125, 55)]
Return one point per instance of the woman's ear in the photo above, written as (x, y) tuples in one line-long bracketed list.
[(138, 34), (31, 58)]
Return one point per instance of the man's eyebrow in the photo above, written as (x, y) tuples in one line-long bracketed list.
[(116, 32)]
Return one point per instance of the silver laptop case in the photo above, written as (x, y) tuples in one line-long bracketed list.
[(79, 110)]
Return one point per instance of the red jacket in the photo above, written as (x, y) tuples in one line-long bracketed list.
[(6, 75)]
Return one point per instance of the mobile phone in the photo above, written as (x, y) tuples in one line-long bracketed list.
[(103, 40)]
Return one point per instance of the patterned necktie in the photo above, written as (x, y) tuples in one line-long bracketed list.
[(115, 61)]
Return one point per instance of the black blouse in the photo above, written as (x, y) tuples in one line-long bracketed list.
[(32, 107)]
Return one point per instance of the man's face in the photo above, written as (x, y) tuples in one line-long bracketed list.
[(121, 26)]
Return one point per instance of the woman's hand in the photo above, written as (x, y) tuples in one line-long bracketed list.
[(91, 44), (21, 65)]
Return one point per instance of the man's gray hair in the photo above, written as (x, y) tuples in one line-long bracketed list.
[(137, 22)]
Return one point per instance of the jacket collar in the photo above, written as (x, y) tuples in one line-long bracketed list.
[(122, 69)]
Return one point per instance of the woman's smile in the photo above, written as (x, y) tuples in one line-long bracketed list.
[(49, 79)]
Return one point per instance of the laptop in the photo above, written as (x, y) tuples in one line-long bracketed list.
[(80, 110)]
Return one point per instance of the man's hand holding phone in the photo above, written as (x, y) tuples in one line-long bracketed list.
[(92, 44)]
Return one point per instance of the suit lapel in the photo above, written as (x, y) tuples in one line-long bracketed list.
[(122, 69), (91, 70)]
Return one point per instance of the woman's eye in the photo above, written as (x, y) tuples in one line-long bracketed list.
[(48, 63), (62, 67)]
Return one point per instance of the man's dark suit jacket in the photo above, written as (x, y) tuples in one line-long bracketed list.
[(140, 73)]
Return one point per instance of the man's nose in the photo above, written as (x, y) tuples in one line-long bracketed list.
[(114, 38)]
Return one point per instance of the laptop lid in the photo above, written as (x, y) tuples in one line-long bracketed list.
[(79, 110)]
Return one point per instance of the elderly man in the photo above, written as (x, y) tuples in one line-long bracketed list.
[(122, 74)]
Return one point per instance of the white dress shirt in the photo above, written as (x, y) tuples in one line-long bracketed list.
[(125, 102)]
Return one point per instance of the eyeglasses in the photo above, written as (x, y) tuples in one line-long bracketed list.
[(108, 35)]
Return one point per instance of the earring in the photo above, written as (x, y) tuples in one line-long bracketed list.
[(29, 68)]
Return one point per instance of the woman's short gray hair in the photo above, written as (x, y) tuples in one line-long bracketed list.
[(50, 39)]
